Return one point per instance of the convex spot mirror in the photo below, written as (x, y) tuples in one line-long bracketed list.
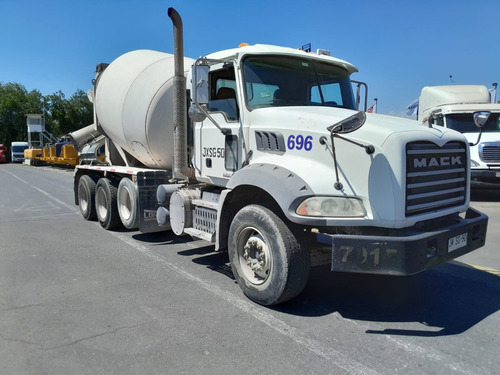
[(196, 114), (480, 118)]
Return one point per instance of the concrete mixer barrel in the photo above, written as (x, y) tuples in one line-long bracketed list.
[(134, 105)]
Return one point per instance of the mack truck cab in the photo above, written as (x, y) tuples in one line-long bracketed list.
[(459, 107)]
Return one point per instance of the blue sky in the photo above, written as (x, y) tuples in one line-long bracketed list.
[(398, 46)]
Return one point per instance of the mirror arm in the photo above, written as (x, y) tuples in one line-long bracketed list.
[(338, 185), (478, 138), (369, 149), (224, 131), (347, 125), (480, 119)]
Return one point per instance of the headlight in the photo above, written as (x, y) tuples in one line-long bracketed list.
[(331, 207)]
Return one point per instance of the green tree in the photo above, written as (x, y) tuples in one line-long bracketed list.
[(55, 113), (66, 115), (62, 115), (80, 111), (15, 103)]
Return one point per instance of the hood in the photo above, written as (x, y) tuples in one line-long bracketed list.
[(299, 142), (376, 130)]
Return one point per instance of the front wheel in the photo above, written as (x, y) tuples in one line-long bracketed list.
[(270, 263)]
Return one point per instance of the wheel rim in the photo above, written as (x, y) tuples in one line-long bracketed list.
[(124, 204), (254, 256), (101, 200), (84, 203)]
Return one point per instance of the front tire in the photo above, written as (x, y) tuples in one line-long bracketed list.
[(106, 205), (270, 263)]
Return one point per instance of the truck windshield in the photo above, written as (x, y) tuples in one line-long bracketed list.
[(291, 81), (464, 123), (19, 148)]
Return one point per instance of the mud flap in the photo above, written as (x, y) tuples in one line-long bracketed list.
[(147, 183)]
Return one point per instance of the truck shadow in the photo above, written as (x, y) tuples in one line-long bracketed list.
[(445, 301), (202, 255), (160, 238)]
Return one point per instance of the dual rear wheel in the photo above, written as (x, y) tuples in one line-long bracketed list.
[(112, 204)]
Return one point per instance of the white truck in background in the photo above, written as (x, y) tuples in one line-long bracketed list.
[(260, 150), (456, 107), (17, 151)]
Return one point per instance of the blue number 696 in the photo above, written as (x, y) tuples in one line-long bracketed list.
[(299, 142)]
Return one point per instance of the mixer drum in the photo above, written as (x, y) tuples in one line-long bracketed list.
[(134, 105)]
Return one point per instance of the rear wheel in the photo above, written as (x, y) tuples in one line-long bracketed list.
[(86, 197), (269, 262), (128, 204), (106, 204)]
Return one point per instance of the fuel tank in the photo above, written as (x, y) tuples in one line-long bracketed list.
[(133, 100)]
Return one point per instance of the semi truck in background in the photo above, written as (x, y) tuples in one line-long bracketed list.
[(261, 151), (459, 107), (17, 151)]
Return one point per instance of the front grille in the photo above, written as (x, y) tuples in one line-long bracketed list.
[(436, 177), (269, 141), (489, 152)]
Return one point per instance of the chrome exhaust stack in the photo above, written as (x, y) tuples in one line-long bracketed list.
[(181, 167)]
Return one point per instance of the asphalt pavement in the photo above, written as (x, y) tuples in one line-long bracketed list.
[(77, 299)]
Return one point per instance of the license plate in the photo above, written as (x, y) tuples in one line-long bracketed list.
[(457, 242)]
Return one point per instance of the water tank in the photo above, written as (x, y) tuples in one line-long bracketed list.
[(133, 101)]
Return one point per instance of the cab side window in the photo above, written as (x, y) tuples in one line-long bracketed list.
[(223, 93)]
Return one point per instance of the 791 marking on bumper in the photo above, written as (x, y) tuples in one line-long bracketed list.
[(408, 254)]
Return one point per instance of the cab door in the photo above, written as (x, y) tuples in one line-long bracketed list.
[(217, 137)]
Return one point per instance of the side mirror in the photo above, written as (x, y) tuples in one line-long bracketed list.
[(200, 87), (349, 124), (431, 120), (480, 118)]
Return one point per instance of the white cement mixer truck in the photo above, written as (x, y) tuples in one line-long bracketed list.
[(260, 150)]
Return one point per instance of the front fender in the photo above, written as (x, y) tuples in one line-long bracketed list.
[(286, 188)]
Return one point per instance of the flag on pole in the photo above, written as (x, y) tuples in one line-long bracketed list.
[(412, 108), (372, 109)]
